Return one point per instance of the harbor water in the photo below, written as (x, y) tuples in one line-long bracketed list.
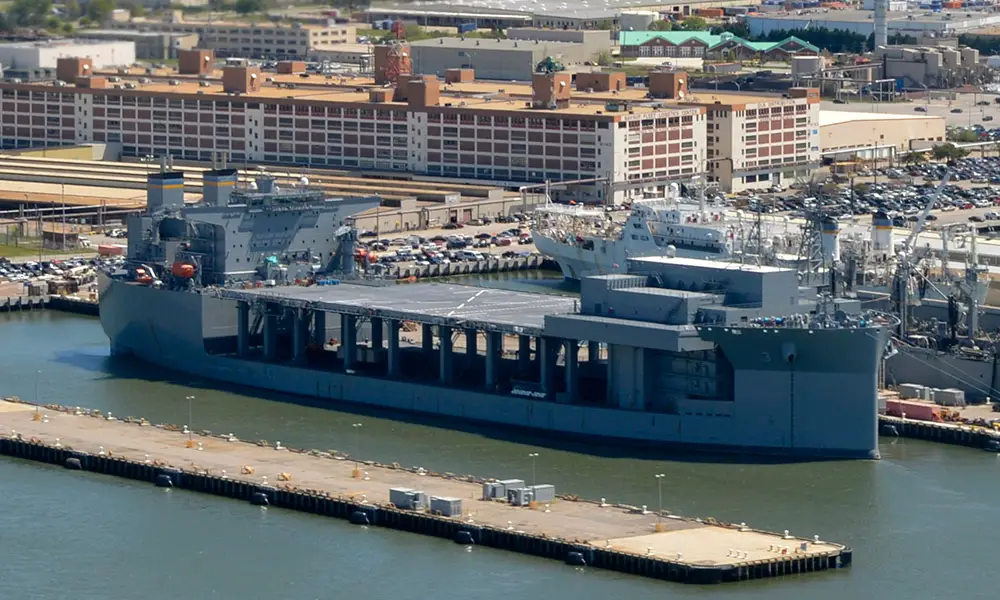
[(919, 521)]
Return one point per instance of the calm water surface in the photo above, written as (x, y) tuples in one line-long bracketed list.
[(921, 520)]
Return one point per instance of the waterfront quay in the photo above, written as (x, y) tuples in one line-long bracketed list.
[(582, 533)]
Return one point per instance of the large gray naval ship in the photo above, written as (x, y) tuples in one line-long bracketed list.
[(680, 351)]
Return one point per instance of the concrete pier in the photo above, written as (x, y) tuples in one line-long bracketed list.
[(611, 536)]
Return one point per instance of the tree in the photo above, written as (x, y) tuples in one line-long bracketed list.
[(693, 24), (99, 10), (603, 58), (28, 13), (72, 10), (949, 152), (914, 158), (661, 25), (739, 29), (246, 7)]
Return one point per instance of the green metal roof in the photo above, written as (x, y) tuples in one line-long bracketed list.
[(638, 38)]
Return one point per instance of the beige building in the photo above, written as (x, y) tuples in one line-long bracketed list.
[(756, 142), (254, 40), (852, 135)]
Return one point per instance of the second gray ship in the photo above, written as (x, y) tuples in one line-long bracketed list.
[(255, 287)]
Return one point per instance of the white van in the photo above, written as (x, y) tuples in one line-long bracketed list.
[(469, 255)]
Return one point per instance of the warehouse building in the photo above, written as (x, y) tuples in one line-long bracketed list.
[(922, 25), (44, 55), (253, 40), (702, 44), (149, 45), (633, 141), (593, 40), (884, 136), (493, 59)]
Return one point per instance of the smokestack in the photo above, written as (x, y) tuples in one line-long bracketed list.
[(217, 186), (881, 23), (164, 191)]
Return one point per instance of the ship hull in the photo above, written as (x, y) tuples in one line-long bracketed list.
[(977, 378), (186, 323), (575, 262)]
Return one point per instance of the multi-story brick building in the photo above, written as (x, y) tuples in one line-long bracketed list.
[(758, 142), (509, 134)]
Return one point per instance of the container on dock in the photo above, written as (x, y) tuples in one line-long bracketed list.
[(510, 484), (448, 507), (493, 490), (921, 411), (519, 496), (407, 498), (909, 391), (543, 493), (949, 397), (111, 250)]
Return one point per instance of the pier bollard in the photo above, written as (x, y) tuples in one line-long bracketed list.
[(603, 503), (787, 535), (58, 443)]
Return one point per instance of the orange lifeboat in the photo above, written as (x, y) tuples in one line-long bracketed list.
[(182, 270)]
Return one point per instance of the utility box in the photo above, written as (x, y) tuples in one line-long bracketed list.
[(493, 491), (448, 507), (949, 397), (407, 499), (510, 484), (519, 496), (544, 493), (908, 391)]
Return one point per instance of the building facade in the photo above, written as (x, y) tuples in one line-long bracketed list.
[(45, 55), (755, 143), (254, 40), (493, 59), (515, 135), (149, 45), (702, 44)]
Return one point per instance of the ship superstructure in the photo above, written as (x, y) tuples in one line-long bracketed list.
[(683, 352), (590, 241)]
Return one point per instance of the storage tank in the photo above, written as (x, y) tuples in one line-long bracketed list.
[(830, 239), (881, 232), (182, 270), (639, 20)]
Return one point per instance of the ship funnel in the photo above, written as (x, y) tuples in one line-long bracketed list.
[(830, 239), (164, 192), (217, 186), (881, 232)]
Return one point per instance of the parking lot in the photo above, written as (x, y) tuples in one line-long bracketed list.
[(971, 111), (451, 243)]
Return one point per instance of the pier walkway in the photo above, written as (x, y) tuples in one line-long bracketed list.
[(602, 535)]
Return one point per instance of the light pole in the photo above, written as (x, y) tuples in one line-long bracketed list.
[(659, 506), (190, 400), (533, 456), (357, 448)]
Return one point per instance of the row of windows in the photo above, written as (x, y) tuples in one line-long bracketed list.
[(514, 135), (519, 122), (319, 124)]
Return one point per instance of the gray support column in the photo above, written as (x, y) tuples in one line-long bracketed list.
[(471, 338), (394, 364), (494, 353), (270, 332), (612, 387), (319, 328), (523, 353), (547, 350), (349, 339), (593, 351), (377, 337), (444, 341), (427, 337), (300, 332), (572, 371), (242, 329)]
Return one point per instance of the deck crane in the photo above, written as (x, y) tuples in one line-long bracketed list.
[(902, 293)]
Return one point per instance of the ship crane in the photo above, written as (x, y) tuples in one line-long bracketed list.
[(906, 269)]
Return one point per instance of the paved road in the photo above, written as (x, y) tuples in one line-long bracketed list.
[(970, 115)]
